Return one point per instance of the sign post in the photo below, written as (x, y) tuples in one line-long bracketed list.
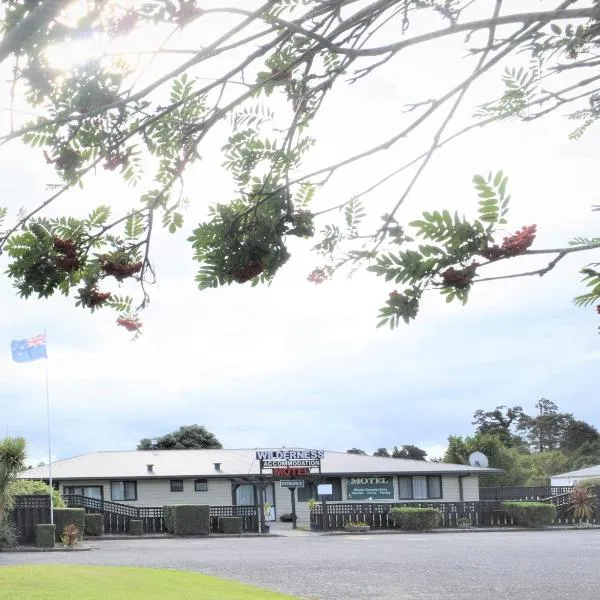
[(293, 494)]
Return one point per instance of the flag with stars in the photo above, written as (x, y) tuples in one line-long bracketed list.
[(29, 349)]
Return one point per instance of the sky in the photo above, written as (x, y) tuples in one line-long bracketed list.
[(295, 364)]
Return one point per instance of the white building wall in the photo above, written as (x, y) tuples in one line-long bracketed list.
[(157, 492)]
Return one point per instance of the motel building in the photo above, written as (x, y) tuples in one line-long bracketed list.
[(240, 477)]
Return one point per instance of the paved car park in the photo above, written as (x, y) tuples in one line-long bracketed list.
[(544, 565)]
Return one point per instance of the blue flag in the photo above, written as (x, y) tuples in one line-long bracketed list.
[(29, 349)]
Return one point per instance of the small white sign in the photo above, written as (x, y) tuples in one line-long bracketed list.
[(325, 489)]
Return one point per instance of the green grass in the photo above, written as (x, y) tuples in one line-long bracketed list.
[(67, 582)]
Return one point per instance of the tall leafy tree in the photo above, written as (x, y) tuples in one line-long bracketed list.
[(499, 457), (280, 62), (500, 422), (548, 428), (409, 451), (187, 436), (356, 451), (382, 452), (578, 434)]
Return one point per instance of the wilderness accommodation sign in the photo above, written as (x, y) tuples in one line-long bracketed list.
[(287, 458), (373, 488)]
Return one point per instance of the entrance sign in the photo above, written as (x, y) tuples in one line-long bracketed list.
[(373, 488), (292, 483), (290, 459)]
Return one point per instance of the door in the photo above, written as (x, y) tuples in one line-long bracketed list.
[(269, 501)]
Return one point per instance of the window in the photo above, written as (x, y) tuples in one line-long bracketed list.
[(89, 491), (201, 485), (123, 490), (310, 490), (177, 485), (420, 487)]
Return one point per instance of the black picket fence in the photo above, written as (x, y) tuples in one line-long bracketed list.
[(522, 493), (28, 511), (486, 513)]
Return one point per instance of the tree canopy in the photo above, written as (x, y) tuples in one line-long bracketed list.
[(151, 100), (529, 448), (186, 437)]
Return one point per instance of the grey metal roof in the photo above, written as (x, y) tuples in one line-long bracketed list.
[(587, 472), (132, 464)]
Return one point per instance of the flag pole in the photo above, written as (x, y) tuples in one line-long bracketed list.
[(49, 439)]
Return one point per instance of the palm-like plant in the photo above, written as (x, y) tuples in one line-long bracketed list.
[(582, 503), (12, 461)]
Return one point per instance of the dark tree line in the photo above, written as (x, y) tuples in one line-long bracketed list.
[(529, 448)]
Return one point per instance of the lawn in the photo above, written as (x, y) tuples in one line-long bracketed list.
[(66, 582)]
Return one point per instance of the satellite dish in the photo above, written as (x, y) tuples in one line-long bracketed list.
[(478, 459)]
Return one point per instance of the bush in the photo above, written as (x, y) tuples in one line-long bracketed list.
[(231, 524), (31, 487), (187, 519), (136, 527), (69, 516), (94, 524), (45, 534), (589, 482), (531, 514), (8, 534), (415, 518), (286, 518)]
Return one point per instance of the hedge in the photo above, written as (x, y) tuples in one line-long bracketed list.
[(231, 524), (416, 518), (44, 535), (66, 516), (531, 514), (94, 524), (187, 519)]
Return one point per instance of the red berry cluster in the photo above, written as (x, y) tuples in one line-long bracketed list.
[(319, 275), (248, 272), (120, 271), (115, 159), (598, 309), (278, 75), (129, 324), (67, 261), (93, 298), (459, 278), (512, 245)]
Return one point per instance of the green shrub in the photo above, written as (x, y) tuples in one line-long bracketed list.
[(8, 534), (136, 527), (589, 482), (31, 487), (531, 514), (94, 524), (69, 516), (231, 524), (415, 518), (187, 519), (45, 534)]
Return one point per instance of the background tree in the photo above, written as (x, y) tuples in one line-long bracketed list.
[(499, 457), (500, 422), (356, 451), (578, 434), (382, 452), (586, 455), (409, 451), (280, 61), (545, 431), (187, 436)]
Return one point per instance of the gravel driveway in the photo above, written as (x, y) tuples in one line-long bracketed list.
[(543, 565)]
